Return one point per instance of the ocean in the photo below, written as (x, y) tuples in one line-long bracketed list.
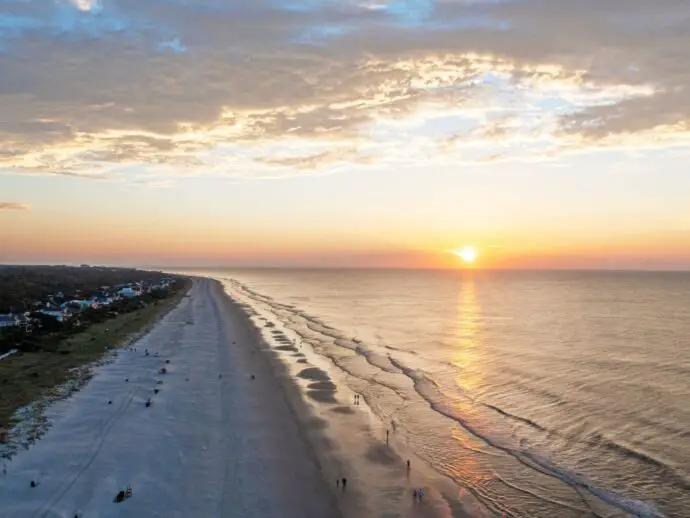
[(549, 394)]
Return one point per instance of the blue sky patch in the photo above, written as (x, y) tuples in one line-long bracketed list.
[(319, 35), (172, 46), (410, 12)]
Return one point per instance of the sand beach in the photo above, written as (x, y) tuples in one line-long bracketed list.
[(238, 426)]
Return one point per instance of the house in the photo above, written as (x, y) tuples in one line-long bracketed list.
[(10, 320), (81, 305), (59, 314), (129, 292)]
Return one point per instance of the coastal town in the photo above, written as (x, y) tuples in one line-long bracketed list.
[(40, 306), (56, 322), (64, 308)]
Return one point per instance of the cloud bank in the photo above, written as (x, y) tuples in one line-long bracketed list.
[(7, 205), (239, 88)]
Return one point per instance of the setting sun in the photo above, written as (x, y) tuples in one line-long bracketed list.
[(468, 254)]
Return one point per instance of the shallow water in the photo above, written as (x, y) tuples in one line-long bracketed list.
[(541, 393)]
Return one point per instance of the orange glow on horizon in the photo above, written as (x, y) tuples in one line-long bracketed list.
[(38, 237)]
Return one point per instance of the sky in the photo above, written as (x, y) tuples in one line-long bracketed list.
[(346, 133)]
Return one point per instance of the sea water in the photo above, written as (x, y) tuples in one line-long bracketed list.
[(541, 393)]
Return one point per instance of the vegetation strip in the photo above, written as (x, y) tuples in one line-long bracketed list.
[(53, 357)]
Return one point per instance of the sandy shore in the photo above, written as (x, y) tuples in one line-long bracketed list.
[(347, 439), (213, 443), (244, 423)]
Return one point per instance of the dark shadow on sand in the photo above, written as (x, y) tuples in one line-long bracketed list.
[(312, 373), (322, 385), (322, 396), (382, 454)]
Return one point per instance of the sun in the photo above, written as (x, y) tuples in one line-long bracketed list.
[(468, 254)]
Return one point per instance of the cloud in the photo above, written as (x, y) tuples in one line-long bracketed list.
[(7, 205), (172, 46), (90, 86), (317, 160), (154, 183), (86, 5)]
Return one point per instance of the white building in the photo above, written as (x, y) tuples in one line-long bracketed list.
[(129, 292), (59, 314), (81, 304), (10, 320)]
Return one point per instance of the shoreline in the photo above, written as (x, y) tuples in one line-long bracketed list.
[(325, 409), (309, 425), (212, 441), (237, 420)]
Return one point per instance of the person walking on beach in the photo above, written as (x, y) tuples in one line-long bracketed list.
[(387, 435), (337, 482), (344, 483)]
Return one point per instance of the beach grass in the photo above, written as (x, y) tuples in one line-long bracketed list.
[(27, 377)]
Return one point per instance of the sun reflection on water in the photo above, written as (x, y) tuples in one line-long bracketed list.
[(469, 354), (469, 360)]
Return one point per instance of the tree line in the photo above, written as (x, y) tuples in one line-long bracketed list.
[(21, 286)]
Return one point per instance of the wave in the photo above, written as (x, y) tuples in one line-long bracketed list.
[(540, 497), (638, 508), (377, 360), (316, 325), (440, 403), (647, 458), (427, 388), (517, 417)]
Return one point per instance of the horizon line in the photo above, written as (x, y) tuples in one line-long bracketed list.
[(459, 269), (307, 267)]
